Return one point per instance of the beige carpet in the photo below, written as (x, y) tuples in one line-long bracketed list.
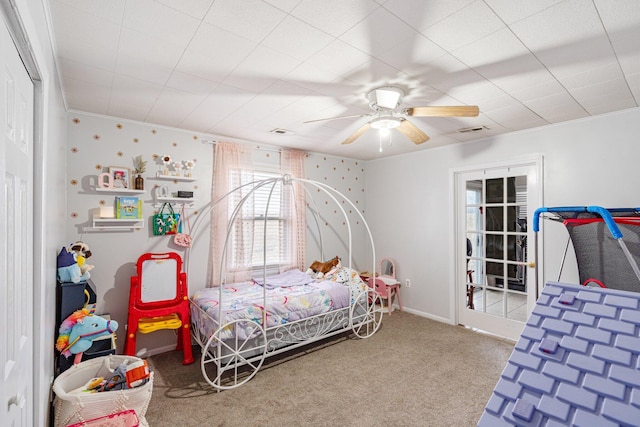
[(412, 372)]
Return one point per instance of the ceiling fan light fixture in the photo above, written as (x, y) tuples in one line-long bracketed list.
[(385, 123), (386, 97)]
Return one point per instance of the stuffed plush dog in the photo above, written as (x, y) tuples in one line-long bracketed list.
[(324, 267)]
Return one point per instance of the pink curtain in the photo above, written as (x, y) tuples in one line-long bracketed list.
[(232, 167), (292, 163)]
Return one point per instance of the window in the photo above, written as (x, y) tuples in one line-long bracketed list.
[(263, 224)]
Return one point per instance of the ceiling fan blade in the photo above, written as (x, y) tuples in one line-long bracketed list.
[(456, 111), (339, 117), (357, 134), (413, 133)]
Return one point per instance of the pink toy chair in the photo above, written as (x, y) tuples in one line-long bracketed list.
[(385, 284), (158, 299)]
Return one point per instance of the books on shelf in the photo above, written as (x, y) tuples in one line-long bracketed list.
[(128, 208)]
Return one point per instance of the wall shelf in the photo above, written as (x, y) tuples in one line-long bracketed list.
[(174, 178), (115, 224), (187, 202), (118, 190)]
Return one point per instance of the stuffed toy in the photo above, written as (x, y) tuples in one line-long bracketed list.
[(82, 252), (68, 268), (78, 331), (320, 269)]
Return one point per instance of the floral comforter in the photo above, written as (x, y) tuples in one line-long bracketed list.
[(284, 304)]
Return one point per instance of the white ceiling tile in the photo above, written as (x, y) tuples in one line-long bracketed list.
[(132, 97), (77, 50), (593, 74), (145, 57), (284, 5), (251, 19), (412, 55), (196, 8), (75, 70), (516, 117), (605, 96), (216, 107), (314, 79), (465, 26), (214, 53), (90, 29), (189, 83), (557, 107), (173, 106), (112, 10), (151, 17), (338, 58), (261, 69), (76, 90), (511, 11), (634, 85), (421, 14), (306, 42), (333, 16), (379, 32)]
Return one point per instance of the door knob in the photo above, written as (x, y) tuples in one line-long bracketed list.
[(17, 400)]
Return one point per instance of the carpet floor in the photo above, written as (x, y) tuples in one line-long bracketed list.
[(413, 372)]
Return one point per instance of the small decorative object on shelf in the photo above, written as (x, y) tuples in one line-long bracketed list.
[(188, 165), (128, 208), (166, 161), (176, 168), (140, 167), (121, 177)]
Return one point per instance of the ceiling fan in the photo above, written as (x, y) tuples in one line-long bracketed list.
[(388, 114)]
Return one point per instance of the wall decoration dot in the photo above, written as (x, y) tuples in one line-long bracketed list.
[(74, 214), (120, 153), (98, 167), (195, 137), (102, 203), (74, 182), (155, 157), (317, 166), (136, 140), (74, 150), (334, 168), (96, 137), (119, 126), (153, 131), (76, 120), (175, 144)]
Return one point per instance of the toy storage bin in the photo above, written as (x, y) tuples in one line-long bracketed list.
[(72, 406)]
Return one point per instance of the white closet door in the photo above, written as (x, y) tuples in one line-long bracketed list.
[(16, 245)]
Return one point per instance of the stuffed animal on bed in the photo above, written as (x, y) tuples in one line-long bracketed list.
[(320, 269)]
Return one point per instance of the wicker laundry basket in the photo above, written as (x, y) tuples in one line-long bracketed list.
[(72, 406)]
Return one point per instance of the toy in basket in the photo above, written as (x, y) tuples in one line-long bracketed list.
[(76, 403)]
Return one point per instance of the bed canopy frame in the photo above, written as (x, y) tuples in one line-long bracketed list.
[(228, 363)]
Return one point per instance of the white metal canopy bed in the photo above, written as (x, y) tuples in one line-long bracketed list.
[(238, 325)]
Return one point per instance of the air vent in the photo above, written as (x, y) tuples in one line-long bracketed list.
[(472, 129), (279, 131)]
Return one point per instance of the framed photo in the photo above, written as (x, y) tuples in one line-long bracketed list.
[(121, 177)]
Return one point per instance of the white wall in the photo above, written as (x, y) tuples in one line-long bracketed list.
[(96, 142), (592, 161)]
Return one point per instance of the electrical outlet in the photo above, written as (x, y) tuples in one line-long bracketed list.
[(407, 283)]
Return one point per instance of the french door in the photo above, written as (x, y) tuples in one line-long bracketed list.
[(495, 283)]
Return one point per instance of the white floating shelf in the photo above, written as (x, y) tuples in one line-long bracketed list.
[(115, 224), (118, 190), (174, 200), (175, 178)]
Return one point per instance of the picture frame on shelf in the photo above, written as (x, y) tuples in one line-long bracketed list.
[(121, 177)]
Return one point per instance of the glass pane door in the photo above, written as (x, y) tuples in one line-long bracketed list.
[(495, 290)]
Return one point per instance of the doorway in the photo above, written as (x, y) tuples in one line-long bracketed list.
[(495, 283)]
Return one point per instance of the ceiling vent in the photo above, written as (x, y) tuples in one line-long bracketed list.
[(279, 131), (472, 129)]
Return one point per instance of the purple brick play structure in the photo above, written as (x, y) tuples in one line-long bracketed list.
[(576, 363)]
